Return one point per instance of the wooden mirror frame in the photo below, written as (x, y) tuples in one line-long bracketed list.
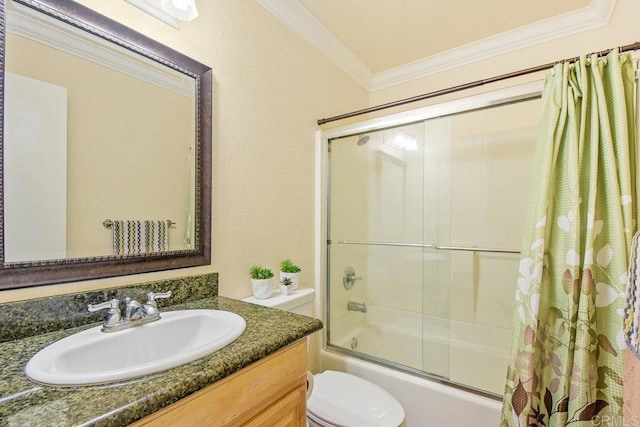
[(26, 274)]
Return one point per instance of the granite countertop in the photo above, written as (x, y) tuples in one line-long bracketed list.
[(26, 403)]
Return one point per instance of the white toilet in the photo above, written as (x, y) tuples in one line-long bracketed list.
[(338, 398)]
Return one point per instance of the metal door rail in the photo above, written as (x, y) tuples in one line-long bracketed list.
[(428, 246)]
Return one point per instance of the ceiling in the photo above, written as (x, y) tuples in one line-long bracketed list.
[(386, 34), (385, 42)]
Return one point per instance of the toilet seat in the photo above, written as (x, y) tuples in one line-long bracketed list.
[(341, 399)]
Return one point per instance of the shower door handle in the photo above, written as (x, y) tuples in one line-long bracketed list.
[(349, 278)]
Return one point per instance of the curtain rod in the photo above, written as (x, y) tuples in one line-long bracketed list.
[(477, 83)]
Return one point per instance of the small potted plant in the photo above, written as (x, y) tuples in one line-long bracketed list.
[(291, 271), (261, 282), (286, 286)]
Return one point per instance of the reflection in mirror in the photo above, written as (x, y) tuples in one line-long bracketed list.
[(96, 131), (77, 144)]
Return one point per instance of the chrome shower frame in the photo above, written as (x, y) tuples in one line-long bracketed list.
[(514, 94)]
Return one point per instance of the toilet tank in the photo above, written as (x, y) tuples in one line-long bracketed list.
[(299, 302)]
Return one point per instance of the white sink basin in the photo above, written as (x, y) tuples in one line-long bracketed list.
[(95, 357)]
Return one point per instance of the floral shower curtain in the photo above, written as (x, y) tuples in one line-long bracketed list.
[(567, 357)]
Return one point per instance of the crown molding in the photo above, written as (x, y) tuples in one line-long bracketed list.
[(596, 15), (301, 21), (46, 30)]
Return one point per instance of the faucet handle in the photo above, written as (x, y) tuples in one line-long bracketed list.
[(349, 278), (114, 315), (130, 302), (152, 297), (151, 307), (111, 305)]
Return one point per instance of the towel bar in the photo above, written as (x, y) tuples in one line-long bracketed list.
[(109, 223)]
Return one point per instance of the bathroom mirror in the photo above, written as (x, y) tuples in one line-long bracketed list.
[(100, 125)]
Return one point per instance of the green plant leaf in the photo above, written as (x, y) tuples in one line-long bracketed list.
[(287, 266), (259, 273), (255, 271), (265, 273)]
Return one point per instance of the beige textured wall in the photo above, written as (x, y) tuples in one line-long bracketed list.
[(270, 87), (631, 389)]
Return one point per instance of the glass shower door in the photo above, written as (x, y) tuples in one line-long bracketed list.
[(424, 227), (480, 166), (375, 234)]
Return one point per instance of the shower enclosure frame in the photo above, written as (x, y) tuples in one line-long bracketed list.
[(498, 97)]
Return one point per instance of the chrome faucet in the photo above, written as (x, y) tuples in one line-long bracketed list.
[(114, 317), (151, 307), (133, 310), (357, 306), (135, 314)]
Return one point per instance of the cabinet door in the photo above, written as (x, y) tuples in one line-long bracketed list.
[(290, 411), (270, 392)]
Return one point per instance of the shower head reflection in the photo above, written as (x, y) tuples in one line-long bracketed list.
[(363, 139)]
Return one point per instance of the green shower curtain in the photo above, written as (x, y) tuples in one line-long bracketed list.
[(567, 357)]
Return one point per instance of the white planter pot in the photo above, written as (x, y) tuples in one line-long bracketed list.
[(295, 279), (286, 290), (262, 288)]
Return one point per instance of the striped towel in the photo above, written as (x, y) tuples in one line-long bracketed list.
[(632, 302), (139, 237)]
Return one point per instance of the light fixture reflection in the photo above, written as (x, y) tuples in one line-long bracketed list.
[(168, 11), (183, 10), (402, 141)]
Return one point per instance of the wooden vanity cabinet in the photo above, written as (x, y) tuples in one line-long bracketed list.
[(267, 393)]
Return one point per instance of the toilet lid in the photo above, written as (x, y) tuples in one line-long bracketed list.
[(346, 400)]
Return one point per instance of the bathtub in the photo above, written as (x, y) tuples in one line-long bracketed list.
[(397, 336)]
